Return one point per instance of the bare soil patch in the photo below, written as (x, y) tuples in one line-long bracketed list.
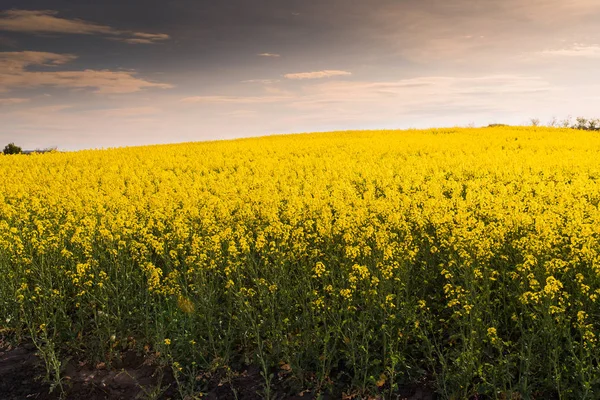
[(21, 373)]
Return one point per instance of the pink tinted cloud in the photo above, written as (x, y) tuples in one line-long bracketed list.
[(14, 73), (48, 21)]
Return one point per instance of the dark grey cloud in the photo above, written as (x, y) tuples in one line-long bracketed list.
[(153, 71)]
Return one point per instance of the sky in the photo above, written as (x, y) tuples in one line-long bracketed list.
[(77, 74)]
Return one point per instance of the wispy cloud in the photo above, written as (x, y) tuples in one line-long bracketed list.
[(47, 21), (12, 100), (262, 81), (373, 100), (421, 94), (14, 61), (577, 50), (328, 73), (241, 113), (41, 111), (460, 32), (145, 38), (234, 99), (269, 55), (127, 111), (151, 36), (14, 73)]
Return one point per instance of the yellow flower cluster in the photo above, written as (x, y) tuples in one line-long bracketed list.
[(441, 233)]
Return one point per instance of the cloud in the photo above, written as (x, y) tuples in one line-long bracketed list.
[(14, 73), (145, 38), (345, 101), (317, 74), (47, 21), (42, 111), (17, 60), (278, 91), (50, 109), (12, 100), (263, 81), (269, 55), (136, 41), (127, 111), (415, 94), (577, 50), (424, 32), (234, 99), (241, 113), (422, 93), (151, 36)]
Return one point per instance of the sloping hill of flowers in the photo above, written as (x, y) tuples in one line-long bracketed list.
[(357, 262)]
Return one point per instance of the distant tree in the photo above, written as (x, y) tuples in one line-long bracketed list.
[(566, 123), (594, 125), (581, 123), (52, 149), (12, 148)]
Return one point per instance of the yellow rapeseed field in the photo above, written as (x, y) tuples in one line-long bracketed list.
[(362, 262)]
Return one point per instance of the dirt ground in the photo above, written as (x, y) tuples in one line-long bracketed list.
[(21, 372)]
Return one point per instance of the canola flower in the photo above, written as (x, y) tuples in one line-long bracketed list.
[(468, 258)]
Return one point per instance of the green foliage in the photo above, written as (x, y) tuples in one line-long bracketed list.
[(587, 124), (360, 263), (581, 123), (12, 148)]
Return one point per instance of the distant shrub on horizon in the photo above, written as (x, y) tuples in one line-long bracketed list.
[(581, 123), (12, 148)]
